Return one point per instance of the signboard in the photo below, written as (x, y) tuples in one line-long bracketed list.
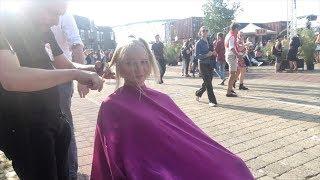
[(261, 32)]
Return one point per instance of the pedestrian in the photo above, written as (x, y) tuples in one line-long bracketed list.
[(155, 139), (195, 64), (220, 57), (34, 133), (186, 52), (277, 52), (158, 51), (293, 52), (241, 66), (317, 50), (203, 54), (232, 54)]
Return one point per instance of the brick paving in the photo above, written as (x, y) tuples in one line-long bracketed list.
[(274, 127)]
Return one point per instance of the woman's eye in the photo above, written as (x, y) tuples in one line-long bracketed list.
[(129, 63), (144, 62)]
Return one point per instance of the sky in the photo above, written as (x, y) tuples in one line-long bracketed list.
[(119, 12)]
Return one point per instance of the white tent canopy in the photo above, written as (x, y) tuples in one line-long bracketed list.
[(252, 29)]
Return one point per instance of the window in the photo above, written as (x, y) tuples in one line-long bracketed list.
[(82, 34), (112, 36)]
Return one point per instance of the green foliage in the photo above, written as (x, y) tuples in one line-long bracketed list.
[(218, 15), (308, 45), (267, 51), (172, 51)]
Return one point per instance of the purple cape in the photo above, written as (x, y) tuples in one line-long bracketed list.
[(146, 136)]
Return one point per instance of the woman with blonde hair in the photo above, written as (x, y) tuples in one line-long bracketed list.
[(142, 134)]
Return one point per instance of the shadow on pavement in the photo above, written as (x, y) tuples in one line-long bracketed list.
[(297, 101), (285, 114), (279, 87)]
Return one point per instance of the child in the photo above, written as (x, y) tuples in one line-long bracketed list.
[(142, 134)]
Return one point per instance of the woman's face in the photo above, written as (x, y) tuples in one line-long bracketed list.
[(204, 32), (135, 66)]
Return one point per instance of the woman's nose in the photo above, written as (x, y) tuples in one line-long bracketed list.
[(138, 68)]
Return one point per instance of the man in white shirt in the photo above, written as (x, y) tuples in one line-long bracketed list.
[(232, 54), (69, 40)]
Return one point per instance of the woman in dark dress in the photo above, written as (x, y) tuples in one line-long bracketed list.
[(292, 53)]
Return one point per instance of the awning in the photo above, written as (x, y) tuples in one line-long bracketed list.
[(254, 29)]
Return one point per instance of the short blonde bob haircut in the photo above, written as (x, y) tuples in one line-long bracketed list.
[(132, 44), (200, 32)]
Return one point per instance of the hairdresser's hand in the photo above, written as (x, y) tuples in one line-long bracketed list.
[(90, 79), (99, 66), (108, 74), (83, 90)]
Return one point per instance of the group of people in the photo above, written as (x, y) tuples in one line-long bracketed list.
[(253, 55), (291, 56), (91, 56), (141, 133), (237, 53), (230, 49)]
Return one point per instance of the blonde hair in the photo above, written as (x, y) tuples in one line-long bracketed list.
[(200, 30), (123, 49)]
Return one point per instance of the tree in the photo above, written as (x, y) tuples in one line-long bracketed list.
[(218, 15)]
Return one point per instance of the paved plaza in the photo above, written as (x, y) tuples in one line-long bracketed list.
[(274, 127)]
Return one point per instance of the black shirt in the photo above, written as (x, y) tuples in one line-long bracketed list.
[(295, 43), (29, 45), (157, 49), (185, 53)]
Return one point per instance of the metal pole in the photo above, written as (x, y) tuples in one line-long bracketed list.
[(287, 18)]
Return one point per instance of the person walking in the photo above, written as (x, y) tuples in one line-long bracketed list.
[(220, 57), (158, 51), (203, 54), (186, 52)]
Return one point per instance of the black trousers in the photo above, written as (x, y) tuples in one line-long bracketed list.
[(186, 66), (162, 67), (41, 151), (206, 71)]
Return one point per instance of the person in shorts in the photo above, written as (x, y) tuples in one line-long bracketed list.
[(232, 54)]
